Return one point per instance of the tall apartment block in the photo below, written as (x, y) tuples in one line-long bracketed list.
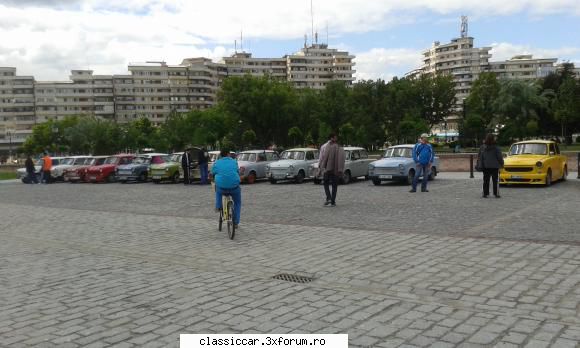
[(153, 89)]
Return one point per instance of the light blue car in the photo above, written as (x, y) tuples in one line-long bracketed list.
[(397, 164)]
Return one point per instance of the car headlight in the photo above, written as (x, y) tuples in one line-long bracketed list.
[(268, 167), (166, 169), (371, 167), (100, 171), (539, 164), (242, 170), (401, 167)]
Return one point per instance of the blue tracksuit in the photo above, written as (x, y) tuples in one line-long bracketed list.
[(423, 156), (227, 181)]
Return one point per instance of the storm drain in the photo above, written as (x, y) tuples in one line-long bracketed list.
[(293, 278)]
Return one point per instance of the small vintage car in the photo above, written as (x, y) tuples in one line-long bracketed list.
[(397, 165), (252, 164), (536, 162), (22, 174), (356, 165), (78, 173), (294, 164), (170, 170), (57, 172), (139, 168), (106, 171)]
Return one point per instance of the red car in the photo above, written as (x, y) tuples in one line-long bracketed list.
[(78, 173), (106, 171)]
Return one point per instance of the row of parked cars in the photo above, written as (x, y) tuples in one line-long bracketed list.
[(295, 165)]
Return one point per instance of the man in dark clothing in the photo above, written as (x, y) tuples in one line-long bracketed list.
[(186, 165), (31, 171), (203, 159), (490, 160), (331, 165)]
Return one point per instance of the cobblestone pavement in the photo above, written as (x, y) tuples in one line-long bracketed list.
[(135, 265)]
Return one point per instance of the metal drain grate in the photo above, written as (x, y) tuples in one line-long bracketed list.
[(293, 278)]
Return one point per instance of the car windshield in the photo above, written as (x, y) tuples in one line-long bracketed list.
[(141, 160), (393, 152), (67, 161), (99, 161), (213, 157), (111, 160), (293, 155), (176, 158), (79, 161), (529, 149), (158, 159), (249, 157)]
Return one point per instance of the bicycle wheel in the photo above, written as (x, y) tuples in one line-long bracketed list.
[(231, 226)]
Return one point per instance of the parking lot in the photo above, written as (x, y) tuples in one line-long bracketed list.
[(134, 265)]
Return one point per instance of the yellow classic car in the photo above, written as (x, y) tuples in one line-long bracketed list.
[(537, 162)]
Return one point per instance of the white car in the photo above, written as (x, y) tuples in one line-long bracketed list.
[(57, 171), (356, 165), (294, 164), (21, 172)]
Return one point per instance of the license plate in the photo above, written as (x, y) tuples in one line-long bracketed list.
[(385, 176), (93, 178), (279, 177), (517, 177), (156, 177)]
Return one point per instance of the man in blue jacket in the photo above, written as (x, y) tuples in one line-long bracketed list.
[(227, 181), (423, 156)]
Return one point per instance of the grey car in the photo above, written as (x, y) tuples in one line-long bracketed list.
[(356, 165), (397, 165), (294, 164), (252, 164), (139, 168)]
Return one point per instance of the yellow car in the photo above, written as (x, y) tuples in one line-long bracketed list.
[(537, 162)]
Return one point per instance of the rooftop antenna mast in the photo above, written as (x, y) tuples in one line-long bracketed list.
[(242, 40), (464, 26), (312, 20), (327, 33), (236, 46)]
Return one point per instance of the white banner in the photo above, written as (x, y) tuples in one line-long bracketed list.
[(263, 340)]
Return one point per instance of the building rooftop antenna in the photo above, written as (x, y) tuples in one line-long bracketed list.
[(242, 40), (464, 26), (327, 33), (312, 20)]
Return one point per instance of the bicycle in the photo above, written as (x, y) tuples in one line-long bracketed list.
[(227, 214)]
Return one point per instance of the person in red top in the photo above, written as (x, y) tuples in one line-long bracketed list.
[(46, 167)]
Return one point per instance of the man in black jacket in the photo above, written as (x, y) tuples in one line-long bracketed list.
[(490, 160), (186, 165), (202, 160), (31, 171)]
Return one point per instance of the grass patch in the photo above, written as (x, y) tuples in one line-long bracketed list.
[(7, 176)]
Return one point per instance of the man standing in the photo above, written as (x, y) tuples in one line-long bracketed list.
[(202, 159), (423, 156), (46, 167), (186, 165), (331, 165), (31, 171)]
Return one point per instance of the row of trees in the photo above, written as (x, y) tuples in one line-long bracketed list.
[(260, 112), (517, 109)]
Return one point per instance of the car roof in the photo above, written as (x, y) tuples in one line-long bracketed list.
[(353, 148), (123, 155), (535, 142), (152, 154), (257, 151), (302, 149), (403, 145), (80, 156)]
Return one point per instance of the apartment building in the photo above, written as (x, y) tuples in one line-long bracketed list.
[(316, 65), (16, 107), (242, 63), (523, 67)]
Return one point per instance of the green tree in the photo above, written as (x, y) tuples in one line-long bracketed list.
[(436, 96), (480, 102), (347, 133), (295, 134), (567, 107), (249, 137)]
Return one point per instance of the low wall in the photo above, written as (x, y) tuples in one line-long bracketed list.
[(460, 162)]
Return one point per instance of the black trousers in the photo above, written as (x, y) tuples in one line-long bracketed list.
[(330, 180), (492, 173), (186, 176)]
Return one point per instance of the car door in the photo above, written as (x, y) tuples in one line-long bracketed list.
[(365, 161), (261, 163), (355, 163), (554, 162)]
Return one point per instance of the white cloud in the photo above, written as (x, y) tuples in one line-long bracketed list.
[(381, 63), (505, 50), (48, 38)]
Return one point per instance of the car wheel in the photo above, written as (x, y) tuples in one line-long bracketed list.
[(300, 177), (156, 181), (346, 178), (110, 178), (143, 177), (273, 181), (175, 178), (433, 173), (410, 176), (549, 178), (376, 182), (251, 178), (565, 173)]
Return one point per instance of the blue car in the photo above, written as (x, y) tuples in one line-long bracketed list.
[(139, 168), (397, 165)]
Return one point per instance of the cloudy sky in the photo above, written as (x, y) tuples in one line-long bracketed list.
[(48, 38)]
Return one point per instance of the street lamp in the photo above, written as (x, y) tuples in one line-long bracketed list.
[(9, 133)]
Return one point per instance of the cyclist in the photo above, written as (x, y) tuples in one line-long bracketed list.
[(227, 181)]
